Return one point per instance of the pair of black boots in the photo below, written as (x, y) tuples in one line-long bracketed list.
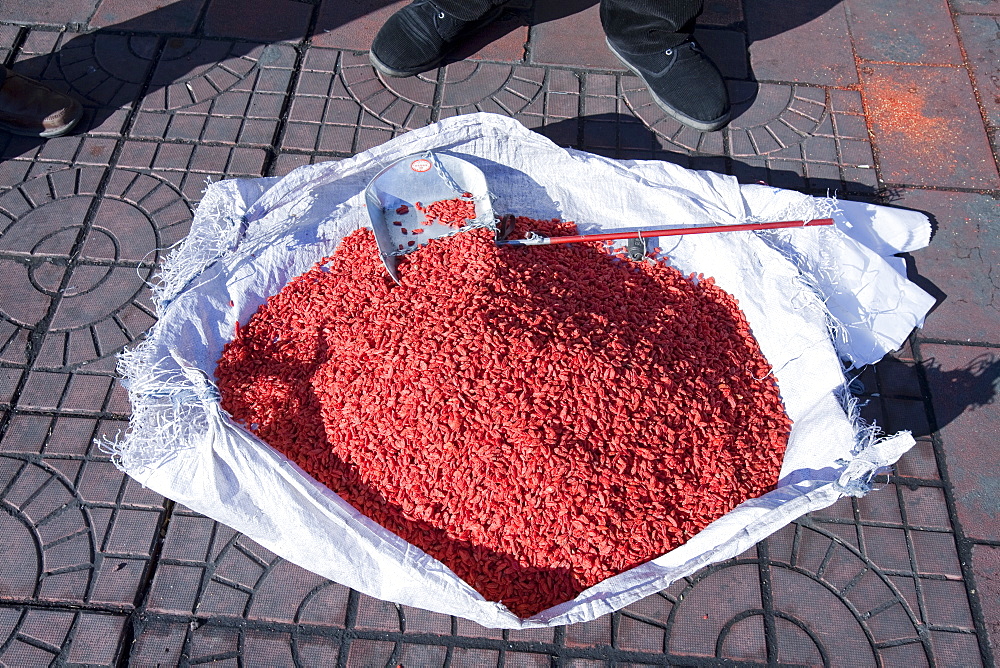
[(682, 80)]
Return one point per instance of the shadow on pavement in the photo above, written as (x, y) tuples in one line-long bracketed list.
[(971, 387), (622, 136), (131, 47)]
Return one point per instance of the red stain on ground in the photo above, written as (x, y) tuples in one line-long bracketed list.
[(903, 109)]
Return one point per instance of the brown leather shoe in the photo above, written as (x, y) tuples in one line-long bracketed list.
[(33, 109)]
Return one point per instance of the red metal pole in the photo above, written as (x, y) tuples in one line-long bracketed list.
[(672, 232)]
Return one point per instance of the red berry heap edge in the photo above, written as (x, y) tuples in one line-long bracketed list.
[(452, 212), (538, 419)]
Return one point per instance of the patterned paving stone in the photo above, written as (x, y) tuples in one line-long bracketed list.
[(180, 16), (893, 31), (169, 642), (927, 127), (105, 71), (81, 531), (824, 598), (986, 565), (502, 89), (959, 649), (705, 612), (342, 106), (217, 91), (789, 136), (245, 19), (608, 125), (802, 42), (964, 390), (41, 637), (207, 568), (877, 617), (24, 158), (959, 265), (404, 103), (8, 37), (979, 40), (10, 380), (84, 258), (848, 605), (182, 172)]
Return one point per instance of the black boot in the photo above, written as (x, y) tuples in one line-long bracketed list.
[(684, 83), (417, 37)]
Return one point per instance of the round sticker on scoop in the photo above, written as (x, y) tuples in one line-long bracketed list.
[(420, 165)]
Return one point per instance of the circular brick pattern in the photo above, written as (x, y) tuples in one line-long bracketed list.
[(825, 604), (466, 86), (399, 102), (767, 119), (103, 68), (808, 599), (774, 117), (46, 535), (224, 68), (471, 86), (94, 272)]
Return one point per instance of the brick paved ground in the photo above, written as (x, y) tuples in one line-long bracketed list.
[(877, 99)]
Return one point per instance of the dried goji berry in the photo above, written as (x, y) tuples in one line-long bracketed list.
[(537, 419)]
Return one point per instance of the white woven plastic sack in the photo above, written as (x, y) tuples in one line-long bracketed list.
[(812, 296)]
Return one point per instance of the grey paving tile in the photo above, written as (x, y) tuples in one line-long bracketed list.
[(986, 565), (82, 538), (957, 267), (977, 7), (36, 637), (286, 19), (220, 91), (890, 31), (927, 126), (105, 71), (570, 35), (9, 35), (968, 431), (800, 43), (979, 40), (74, 12)]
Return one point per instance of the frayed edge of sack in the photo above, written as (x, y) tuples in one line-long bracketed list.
[(168, 411), (868, 436), (872, 455)]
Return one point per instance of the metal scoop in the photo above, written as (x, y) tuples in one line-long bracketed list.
[(394, 194)]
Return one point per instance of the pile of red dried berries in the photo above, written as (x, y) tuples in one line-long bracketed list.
[(454, 212), (538, 419)]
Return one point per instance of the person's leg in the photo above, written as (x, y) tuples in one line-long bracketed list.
[(653, 38), (417, 37), (643, 26), (33, 109)]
